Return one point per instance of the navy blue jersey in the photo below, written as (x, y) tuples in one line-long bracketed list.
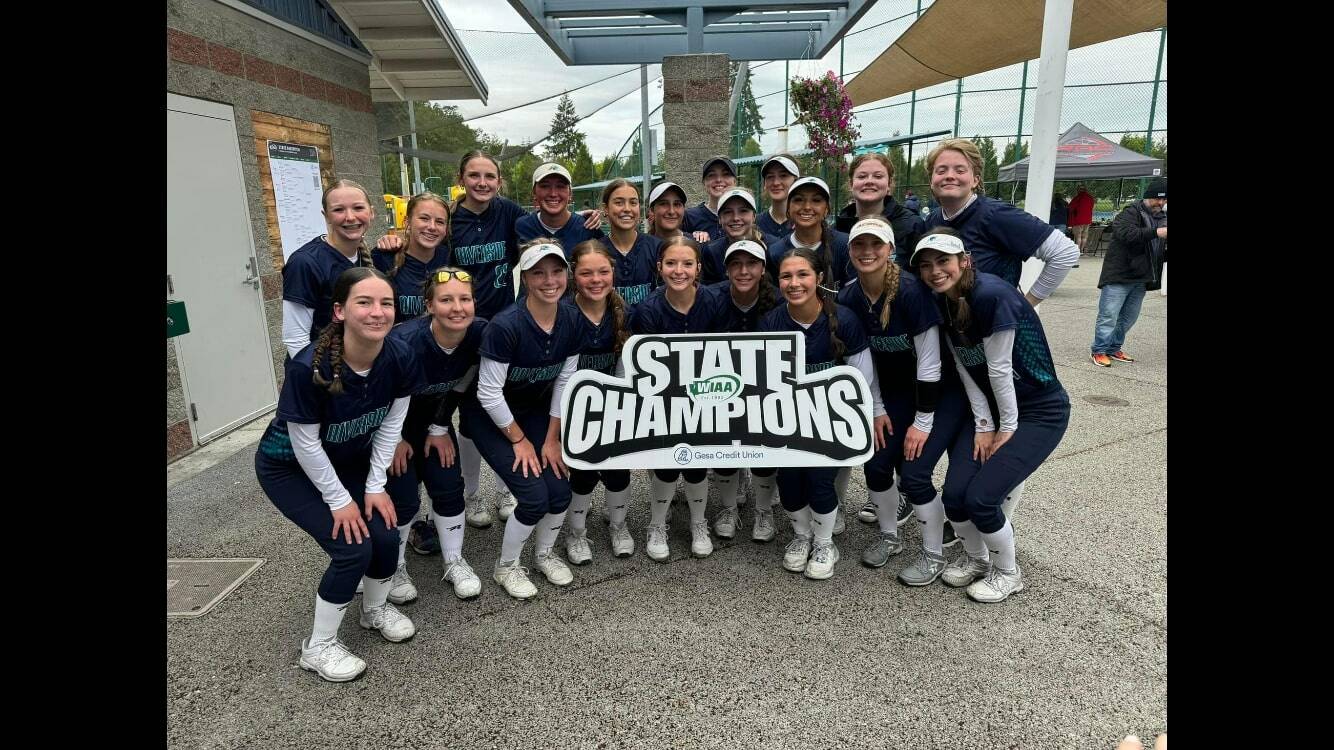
[(744, 321), (819, 346), (709, 314), (996, 305), (408, 280), (912, 312), (486, 246), (999, 236), (637, 271), (842, 270), (701, 219), (534, 356), (347, 422), (530, 227), (765, 222), (714, 269), (308, 279), (599, 341), (441, 371)]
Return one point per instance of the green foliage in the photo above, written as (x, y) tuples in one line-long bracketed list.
[(990, 163), (823, 106), (1136, 143), (439, 128), (565, 141), (518, 176), (583, 170), (751, 148), (747, 124)]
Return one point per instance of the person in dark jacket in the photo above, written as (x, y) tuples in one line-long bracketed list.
[(871, 177), (1060, 211), (1134, 264), (911, 203)]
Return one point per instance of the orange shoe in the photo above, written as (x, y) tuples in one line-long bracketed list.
[(1101, 360), (1122, 357)]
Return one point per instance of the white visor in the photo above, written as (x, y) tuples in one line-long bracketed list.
[(532, 255), (874, 228), (750, 247), (784, 162), (741, 193), (942, 242)]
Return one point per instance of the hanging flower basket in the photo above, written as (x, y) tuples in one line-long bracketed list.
[(823, 106)]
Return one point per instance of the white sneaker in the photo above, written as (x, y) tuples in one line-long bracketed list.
[(514, 578), (700, 543), (821, 564), (797, 553), (657, 543), (839, 523), (331, 660), (764, 525), (506, 502), (466, 583), (724, 524), (622, 544), (392, 624), (964, 570), (401, 588), (554, 568), (476, 512), (997, 586), (576, 547)]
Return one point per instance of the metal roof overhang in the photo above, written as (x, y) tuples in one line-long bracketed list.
[(958, 38), (606, 32), (415, 53)]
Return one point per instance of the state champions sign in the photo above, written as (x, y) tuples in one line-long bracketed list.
[(735, 400)]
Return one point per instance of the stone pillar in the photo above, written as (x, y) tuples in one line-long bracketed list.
[(695, 92)]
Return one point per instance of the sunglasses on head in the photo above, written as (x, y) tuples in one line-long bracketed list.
[(443, 276)]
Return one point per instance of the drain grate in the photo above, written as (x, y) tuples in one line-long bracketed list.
[(195, 586), (1106, 401)]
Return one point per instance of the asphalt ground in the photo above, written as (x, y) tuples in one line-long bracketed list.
[(729, 651)]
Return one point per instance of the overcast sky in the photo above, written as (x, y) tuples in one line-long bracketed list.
[(519, 67)]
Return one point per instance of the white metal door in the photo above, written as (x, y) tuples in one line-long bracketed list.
[(225, 360)]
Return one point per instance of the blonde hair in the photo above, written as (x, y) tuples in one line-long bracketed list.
[(362, 253), (963, 146)]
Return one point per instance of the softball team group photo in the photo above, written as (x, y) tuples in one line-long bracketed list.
[(417, 361)]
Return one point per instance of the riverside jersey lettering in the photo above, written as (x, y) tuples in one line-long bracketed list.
[(530, 228), (636, 272), (408, 280), (486, 246), (912, 312), (534, 356), (819, 346), (347, 422), (441, 370), (309, 276), (998, 235), (996, 305)]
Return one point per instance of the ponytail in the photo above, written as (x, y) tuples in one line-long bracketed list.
[(620, 330), (331, 340), (891, 290)]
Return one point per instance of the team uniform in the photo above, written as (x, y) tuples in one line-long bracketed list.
[(486, 246), (308, 281), (907, 225), (1004, 360), (636, 273), (446, 373), (530, 227), (321, 452), (408, 280), (999, 236), (842, 269), (714, 270), (808, 492), (766, 224), (522, 371), (701, 218)]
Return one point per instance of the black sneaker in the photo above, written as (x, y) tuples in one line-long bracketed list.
[(950, 539), (905, 511), (423, 539)]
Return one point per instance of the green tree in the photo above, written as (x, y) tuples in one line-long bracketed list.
[(747, 123), (565, 141), (583, 170), (752, 148), (990, 162), (518, 172), (607, 166), (439, 128), (1158, 150)]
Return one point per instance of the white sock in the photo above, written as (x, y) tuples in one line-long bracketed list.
[(516, 535), (764, 492), (801, 522), (727, 487), (1001, 546), (547, 531), (841, 484), (578, 511), (450, 529), (931, 518), (887, 509), (1012, 501), (662, 499), (376, 593), (697, 496), (822, 524), (618, 505), (403, 543), (971, 538), (470, 464), (327, 619)]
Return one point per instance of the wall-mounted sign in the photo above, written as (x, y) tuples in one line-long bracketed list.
[(716, 401), (296, 193)]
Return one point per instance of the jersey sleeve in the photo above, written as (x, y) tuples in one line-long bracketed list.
[(499, 343), (918, 305), (1016, 231), (383, 261), (301, 281), (301, 401), (851, 331), (412, 375), (998, 311)]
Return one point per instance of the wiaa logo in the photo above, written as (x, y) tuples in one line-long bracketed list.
[(716, 389)]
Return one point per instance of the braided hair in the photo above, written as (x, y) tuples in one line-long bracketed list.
[(826, 297), (402, 256), (331, 338), (620, 330), (890, 281), (363, 255)]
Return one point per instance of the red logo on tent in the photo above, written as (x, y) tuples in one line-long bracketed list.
[(1085, 148)]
